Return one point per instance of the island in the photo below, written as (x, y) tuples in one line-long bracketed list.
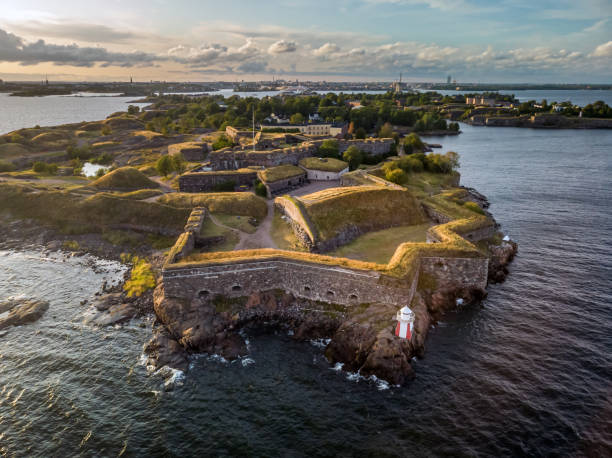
[(326, 221)]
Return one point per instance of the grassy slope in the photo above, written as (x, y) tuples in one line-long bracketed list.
[(379, 246), (69, 212), (237, 222), (231, 203), (283, 234), (124, 178), (281, 172), (368, 208), (325, 165)]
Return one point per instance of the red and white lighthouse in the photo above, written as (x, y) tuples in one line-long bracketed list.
[(405, 323)]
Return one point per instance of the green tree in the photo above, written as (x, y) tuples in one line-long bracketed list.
[(222, 142), (297, 118), (178, 163), (164, 165), (133, 109), (329, 148), (360, 133), (397, 176), (386, 131), (413, 144), (260, 189), (353, 156)]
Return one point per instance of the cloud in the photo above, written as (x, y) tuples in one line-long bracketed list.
[(326, 50), (282, 46), (603, 50), (15, 49), (253, 67), (90, 33)]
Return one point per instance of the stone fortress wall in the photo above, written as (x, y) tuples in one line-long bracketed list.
[(451, 261)]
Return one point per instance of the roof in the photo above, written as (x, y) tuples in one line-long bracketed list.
[(325, 164), (281, 172)]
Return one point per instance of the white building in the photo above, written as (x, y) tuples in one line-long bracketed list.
[(323, 169)]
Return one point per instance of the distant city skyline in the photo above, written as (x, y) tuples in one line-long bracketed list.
[(372, 40)]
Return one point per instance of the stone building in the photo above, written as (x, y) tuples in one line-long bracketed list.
[(191, 151), (282, 178), (205, 181), (323, 169)]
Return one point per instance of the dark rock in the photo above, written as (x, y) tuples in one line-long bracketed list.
[(22, 312), (114, 315), (162, 351)]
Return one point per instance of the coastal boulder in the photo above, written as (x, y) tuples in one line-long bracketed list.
[(22, 311)]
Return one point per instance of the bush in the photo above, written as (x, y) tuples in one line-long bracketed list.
[(474, 207), (260, 189), (413, 144), (222, 142), (360, 133), (142, 277), (397, 176), (44, 169), (164, 165), (100, 173)]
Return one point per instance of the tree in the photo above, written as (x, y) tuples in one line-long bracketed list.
[(297, 118), (386, 131), (397, 176), (260, 189), (164, 165), (360, 133), (353, 156), (178, 163), (133, 109), (329, 148), (413, 144), (222, 142)]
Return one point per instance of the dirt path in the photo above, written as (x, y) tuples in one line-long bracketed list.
[(260, 238)]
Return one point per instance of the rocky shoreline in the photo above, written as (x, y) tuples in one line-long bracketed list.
[(361, 338)]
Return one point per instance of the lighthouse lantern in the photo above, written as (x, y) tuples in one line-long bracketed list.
[(405, 323)]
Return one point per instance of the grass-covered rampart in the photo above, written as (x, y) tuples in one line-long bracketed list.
[(230, 203)]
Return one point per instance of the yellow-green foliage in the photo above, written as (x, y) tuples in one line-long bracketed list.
[(71, 245), (281, 172), (141, 279), (124, 178), (474, 207), (53, 136), (364, 207), (269, 253), (326, 164), (102, 145), (66, 210), (231, 203), (148, 134)]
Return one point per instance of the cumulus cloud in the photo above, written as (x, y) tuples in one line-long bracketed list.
[(603, 50), (282, 46), (15, 49), (326, 50)]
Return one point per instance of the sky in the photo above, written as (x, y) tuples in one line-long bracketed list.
[(528, 41)]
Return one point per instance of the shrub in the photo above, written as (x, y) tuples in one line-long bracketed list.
[(100, 173), (71, 245), (474, 207), (44, 168), (353, 156), (142, 277), (397, 176), (360, 133), (413, 144), (222, 142), (260, 189), (164, 165)]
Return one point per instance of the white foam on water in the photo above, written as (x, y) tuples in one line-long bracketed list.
[(320, 343), (337, 367), (506, 238), (459, 301), (246, 361)]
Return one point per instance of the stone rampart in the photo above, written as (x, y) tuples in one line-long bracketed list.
[(370, 146), (302, 227), (208, 181), (318, 282), (232, 160)]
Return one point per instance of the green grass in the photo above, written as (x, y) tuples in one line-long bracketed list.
[(324, 164), (283, 234), (368, 208), (73, 213), (230, 203), (237, 222), (379, 246), (124, 179), (281, 172), (210, 229)]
